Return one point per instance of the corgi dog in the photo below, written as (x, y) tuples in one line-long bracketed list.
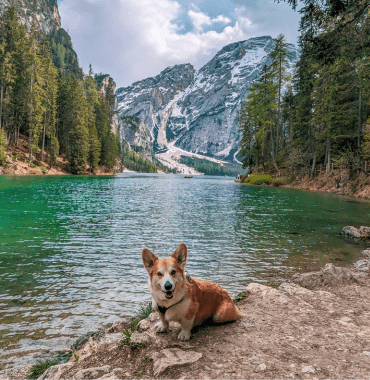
[(189, 301)]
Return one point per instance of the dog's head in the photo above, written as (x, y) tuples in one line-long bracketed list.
[(166, 275)]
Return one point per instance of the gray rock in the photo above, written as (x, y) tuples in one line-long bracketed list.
[(262, 367), (92, 373), (362, 265), (357, 234), (364, 232), (140, 338), (366, 254), (308, 369), (351, 232), (254, 360), (55, 372), (329, 275), (171, 357)]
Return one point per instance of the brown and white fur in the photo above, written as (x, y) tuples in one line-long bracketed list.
[(189, 303)]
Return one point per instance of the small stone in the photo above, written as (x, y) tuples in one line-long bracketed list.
[(171, 357), (308, 369), (144, 325), (254, 360), (140, 338), (262, 367), (247, 325), (366, 353)]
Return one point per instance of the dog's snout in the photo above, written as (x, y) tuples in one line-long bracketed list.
[(168, 285)]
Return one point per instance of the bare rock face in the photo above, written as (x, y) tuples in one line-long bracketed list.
[(196, 110), (171, 357), (330, 275), (43, 13)]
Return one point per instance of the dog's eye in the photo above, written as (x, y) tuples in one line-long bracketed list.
[(173, 273), (159, 274)]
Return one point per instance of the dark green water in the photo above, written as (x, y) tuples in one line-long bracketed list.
[(70, 247)]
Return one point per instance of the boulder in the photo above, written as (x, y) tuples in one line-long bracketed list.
[(351, 232), (330, 275), (364, 232), (92, 373), (55, 372), (357, 234), (171, 357)]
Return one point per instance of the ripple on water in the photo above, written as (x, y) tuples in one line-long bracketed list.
[(70, 250)]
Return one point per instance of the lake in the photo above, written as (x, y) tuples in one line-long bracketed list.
[(70, 247)]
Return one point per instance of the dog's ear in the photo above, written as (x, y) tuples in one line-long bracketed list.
[(180, 255), (149, 258)]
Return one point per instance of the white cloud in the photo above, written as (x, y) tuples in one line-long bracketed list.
[(135, 39), (200, 19)]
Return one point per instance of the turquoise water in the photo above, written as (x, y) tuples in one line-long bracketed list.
[(70, 247)]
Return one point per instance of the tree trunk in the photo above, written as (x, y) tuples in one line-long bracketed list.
[(1, 105), (273, 155), (43, 142), (359, 131), (328, 155), (313, 168), (30, 133)]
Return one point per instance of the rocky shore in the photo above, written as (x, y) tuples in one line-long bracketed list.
[(315, 326)]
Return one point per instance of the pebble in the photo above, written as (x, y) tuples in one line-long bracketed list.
[(308, 369), (262, 367), (254, 360), (366, 353)]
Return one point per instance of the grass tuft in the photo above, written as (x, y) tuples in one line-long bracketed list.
[(40, 367), (144, 312), (240, 297)]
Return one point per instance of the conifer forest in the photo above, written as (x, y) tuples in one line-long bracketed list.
[(319, 117), (45, 97)]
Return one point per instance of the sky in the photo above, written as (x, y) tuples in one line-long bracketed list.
[(135, 39)]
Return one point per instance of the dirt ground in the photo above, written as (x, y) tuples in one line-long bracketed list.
[(337, 182), (286, 332)]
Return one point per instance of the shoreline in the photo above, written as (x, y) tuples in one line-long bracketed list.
[(337, 182), (281, 320)]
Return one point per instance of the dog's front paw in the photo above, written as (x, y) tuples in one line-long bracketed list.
[(184, 335), (161, 327)]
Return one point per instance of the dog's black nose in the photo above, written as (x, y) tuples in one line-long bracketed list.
[(168, 285)]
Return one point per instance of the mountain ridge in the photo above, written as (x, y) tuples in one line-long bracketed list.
[(196, 110)]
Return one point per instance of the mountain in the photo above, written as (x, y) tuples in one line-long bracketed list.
[(193, 110), (43, 13)]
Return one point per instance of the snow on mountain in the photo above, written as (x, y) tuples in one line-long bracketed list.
[(196, 111)]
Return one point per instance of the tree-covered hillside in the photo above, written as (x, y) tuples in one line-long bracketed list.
[(322, 117), (58, 111)]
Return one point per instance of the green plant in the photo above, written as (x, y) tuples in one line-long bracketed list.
[(144, 311), (127, 338), (76, 357), (259, 179), (353, 186), (40, 367), (240, 297)]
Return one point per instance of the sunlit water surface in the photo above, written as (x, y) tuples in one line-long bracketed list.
[(70, 247)]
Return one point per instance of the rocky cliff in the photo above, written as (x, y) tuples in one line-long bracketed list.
[(43, 13), (196, 110)]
